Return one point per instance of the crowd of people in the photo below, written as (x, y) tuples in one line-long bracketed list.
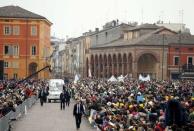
[(14, 92), (137, 105), (110, 106)]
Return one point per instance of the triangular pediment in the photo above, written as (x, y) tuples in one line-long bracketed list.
[(165, 31)]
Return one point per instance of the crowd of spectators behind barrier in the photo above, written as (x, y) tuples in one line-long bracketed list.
[(118, 106), (14, 92), (136, 105)]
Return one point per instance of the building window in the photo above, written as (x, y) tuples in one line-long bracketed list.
[(45, 52), (15, 50), (190, 60), (106, 34), (96, 37), (7, 30), (176, 49), (5, 76), (176, 60), (190, 49), (33, 30), (15, 64), (15, 75), (33, 50), (7, 20), (11, 50), (16, 30), (86, 51), (7, 50), (6, 64)]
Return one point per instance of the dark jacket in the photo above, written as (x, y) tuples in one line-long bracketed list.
[(81, 109), (67, 95), (175, 114), (42, 95), (62, 97)]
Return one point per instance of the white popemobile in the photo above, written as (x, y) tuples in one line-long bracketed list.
[(55, 89)]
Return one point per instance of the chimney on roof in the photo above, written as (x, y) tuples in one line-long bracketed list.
[(117, 22), (114, 23), (97, 29), (67, 37)]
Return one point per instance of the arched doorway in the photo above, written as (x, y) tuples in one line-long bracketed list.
[(120, 65), (147, 64), (96, 65), (92, 65), (100, 66), (114, 65), (109, 66), (125, 64), (33, 68), (105, 66), (130, 63)]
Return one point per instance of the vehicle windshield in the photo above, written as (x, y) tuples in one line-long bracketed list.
[(54, 86)]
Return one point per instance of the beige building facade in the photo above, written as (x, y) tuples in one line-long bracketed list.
[(123, 49), (140, 50)]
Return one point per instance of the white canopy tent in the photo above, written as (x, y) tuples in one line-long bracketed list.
[(112, 79), (121, 78)]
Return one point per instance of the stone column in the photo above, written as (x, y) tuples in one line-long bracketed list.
[(158, 71), (104, 69), (123, 65), (113, 67), (127, 65), (94, 73), (99, 69), (134, 70), (107, 68), (88, 66), (117, 69)]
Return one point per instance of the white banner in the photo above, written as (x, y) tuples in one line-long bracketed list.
[(89, 73), (147, 78), (76, 78)]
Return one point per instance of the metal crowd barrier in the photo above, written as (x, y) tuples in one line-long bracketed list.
[(20, 111)]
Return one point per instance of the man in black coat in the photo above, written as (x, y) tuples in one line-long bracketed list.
[(175, 114), (78, 111), (42, 96), (62, 100), (67, 97)]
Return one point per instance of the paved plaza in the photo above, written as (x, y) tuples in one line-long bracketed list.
[(50, 118)]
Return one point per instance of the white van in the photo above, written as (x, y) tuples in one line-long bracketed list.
[(55, 89)]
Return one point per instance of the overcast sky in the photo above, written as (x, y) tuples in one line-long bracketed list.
[(74, 17)]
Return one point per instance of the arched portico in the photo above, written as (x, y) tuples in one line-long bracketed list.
[(147, 64)]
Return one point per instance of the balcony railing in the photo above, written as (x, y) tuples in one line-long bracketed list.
[(188, 68)]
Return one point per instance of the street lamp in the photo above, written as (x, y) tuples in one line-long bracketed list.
[(163, 38), (179, 41)]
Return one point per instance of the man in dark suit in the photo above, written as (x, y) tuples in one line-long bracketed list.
[(62, 100), (42, 96), (67, 97), (78, 111), (175, 115)]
